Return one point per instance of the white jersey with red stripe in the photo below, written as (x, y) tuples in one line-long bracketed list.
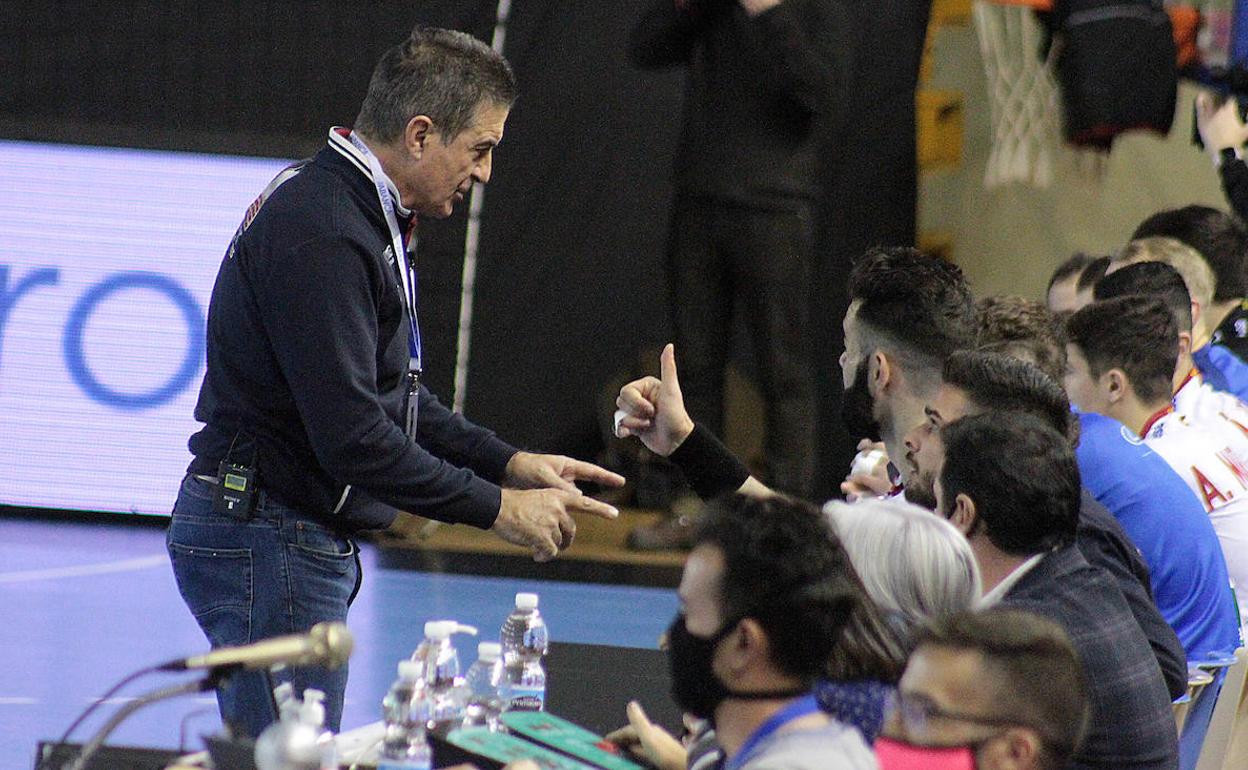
[(1210, 453), (1198, 401)]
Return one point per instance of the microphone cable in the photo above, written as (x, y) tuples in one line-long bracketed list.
[(91, 710)]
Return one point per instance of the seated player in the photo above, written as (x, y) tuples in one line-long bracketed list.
[(1122, 358), (1221, 368), (1061, 295), (1222, 240), (1193, 395)]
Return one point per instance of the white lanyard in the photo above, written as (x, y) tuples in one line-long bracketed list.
[(406, 276)]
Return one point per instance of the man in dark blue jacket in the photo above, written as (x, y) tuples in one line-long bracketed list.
[(315, 423), (1011, 484)]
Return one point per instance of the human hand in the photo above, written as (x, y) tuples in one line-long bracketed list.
[(653, 410), (868, 474), (526, 470), (1220, 126), (541, 519), (755, 7), (649, 741)]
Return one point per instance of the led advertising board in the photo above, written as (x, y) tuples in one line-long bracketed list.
[(107, 259)]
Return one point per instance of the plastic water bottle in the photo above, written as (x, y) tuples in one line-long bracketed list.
[(439, 660), (405, 709), (289, 743), (483, 680), (312, 714), (524, 642)]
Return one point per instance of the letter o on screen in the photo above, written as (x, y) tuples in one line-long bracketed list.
[(76, 361)]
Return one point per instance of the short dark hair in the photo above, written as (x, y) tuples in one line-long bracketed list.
[(1150, 279), (996, 382), (785, 567), (1020, 473), (1136, 334), (1033, 673), (1220, 238), (440, 73), (919, 304), (1092, 272), (1022, 328), (1077, 262)]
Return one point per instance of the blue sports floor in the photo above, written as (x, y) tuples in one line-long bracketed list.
[(82, 605)]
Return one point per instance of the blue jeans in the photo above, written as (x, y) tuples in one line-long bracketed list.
[(278, 573)]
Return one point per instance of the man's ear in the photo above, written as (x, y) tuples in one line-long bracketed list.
[(964, 514), (748, 644), (1115, 385), (880, 371), (1185, 342), (1015, 749), (416, 135)]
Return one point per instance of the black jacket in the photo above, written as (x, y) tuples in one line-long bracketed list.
[(307, 362), (760, 93)]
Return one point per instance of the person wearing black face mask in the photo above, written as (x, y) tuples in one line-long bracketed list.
[(765, 595), (995, 690)]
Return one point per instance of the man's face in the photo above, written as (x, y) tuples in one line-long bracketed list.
[(445, 172), (925, 453), (1083, 387), (1063, 297), (941, 681)]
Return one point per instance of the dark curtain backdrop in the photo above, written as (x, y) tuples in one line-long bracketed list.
[(570, 281)]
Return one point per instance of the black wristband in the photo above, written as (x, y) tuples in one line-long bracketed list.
[(708, 466)]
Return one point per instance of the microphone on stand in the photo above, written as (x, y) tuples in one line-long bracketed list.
[(326, 644)]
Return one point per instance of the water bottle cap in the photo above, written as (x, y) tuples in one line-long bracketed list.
[(526, 601), (410, 670), (439, 629), (442, 629), (489, 651)]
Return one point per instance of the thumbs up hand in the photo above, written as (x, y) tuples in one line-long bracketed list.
[(653, 409)]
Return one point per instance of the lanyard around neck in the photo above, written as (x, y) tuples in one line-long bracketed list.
[(407, 276), (795, 710)]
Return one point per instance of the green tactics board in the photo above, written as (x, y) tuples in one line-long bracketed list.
[(567, 737)]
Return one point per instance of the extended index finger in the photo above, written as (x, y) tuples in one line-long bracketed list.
[(583, 471), (587, 504)]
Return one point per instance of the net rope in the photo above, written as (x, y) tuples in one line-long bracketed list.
[(1022, 94)]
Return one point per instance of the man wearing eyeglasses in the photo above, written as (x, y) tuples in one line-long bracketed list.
[(991, 690)]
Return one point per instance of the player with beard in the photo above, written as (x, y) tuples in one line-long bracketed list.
[(908, 312)]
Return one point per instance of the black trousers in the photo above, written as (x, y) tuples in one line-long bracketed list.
[(724, 256)]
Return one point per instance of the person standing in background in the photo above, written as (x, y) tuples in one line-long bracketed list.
[(763, 76)]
